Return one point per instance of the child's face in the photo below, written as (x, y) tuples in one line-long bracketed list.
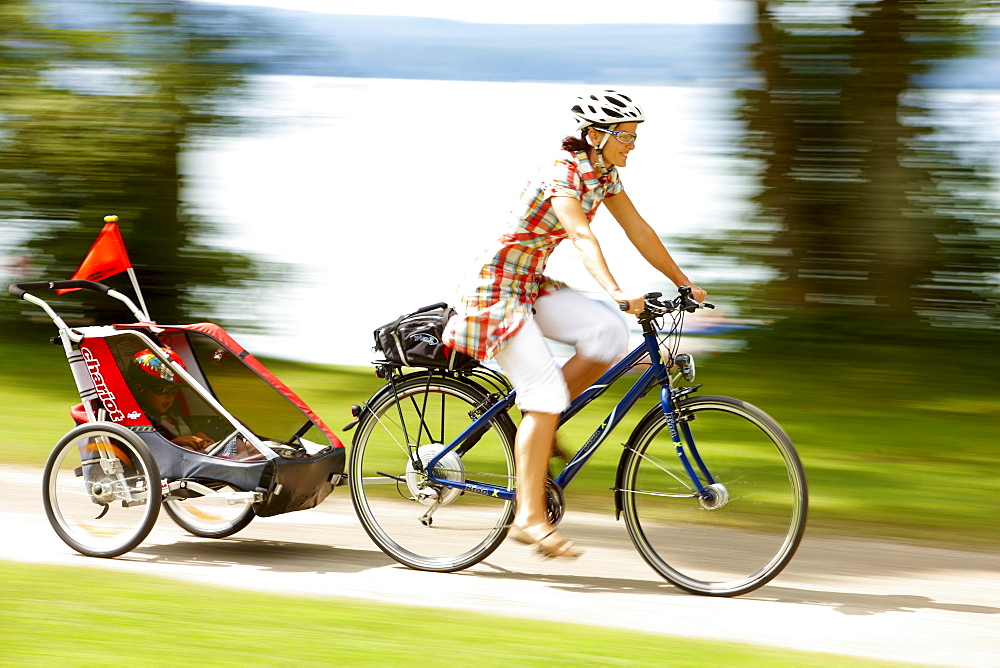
[(160, 403)]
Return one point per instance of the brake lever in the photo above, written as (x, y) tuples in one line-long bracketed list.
[(687, 304), (690, 306)]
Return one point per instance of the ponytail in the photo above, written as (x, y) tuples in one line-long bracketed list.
[(575, 144)]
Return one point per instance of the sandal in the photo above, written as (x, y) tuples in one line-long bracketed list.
[(549, 546)]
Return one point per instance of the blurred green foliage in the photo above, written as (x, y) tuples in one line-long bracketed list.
[(95, 122), (869, 220)]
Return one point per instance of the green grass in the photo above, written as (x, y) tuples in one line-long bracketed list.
[(897, 443), (79, 617)]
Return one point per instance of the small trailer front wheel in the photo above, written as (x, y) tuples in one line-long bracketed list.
[(101, 489)]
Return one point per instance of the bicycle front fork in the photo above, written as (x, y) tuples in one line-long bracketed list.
[(678, 424)]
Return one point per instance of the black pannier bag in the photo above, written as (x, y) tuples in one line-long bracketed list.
[(414, 339)]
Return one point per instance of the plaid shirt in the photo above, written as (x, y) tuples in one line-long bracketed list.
[(499, 298)]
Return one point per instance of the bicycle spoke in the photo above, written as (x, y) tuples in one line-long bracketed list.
[(676, 472), (391, 430)]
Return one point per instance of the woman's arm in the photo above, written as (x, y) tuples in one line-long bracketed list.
[(574, 221), (648, 242)]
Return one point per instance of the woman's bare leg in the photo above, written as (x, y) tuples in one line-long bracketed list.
[(531, 517), (531, 452), (535, 442), (580, 373)]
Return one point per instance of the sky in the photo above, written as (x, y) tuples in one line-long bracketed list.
[(528, 11)]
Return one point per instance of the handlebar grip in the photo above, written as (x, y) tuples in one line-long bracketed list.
[(19, 289)]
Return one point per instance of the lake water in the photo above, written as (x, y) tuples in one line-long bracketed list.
[(380, 192)]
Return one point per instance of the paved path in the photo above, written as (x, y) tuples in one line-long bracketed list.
[(862, 598)]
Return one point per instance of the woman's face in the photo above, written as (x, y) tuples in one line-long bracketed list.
[(615, 151)]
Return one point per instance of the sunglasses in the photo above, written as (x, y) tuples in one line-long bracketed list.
[(162, 390), (623, 137)]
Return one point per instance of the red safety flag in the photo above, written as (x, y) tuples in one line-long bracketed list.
[(106, 257)]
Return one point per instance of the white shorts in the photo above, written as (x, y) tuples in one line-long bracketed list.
[(598, 333)]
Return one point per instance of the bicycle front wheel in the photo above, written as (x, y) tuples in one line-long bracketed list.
[(744, 529), (426, 526), (101, 489)]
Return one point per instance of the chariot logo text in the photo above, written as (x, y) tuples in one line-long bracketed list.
[(106, 395)]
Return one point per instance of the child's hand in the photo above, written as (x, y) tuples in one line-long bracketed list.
[(197, 441)]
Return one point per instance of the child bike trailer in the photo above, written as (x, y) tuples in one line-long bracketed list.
[(178, 415)]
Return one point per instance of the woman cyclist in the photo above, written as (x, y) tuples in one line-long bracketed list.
[(510, 306)]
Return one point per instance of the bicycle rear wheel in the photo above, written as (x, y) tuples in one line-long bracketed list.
[(101, 489), (746, 529), (430, 527)]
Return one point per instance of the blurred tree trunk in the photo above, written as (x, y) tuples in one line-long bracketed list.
[(863, 217), (901, 243)]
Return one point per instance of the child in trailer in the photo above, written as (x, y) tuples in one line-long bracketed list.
[(156, 387)]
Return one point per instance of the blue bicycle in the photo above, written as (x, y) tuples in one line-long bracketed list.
[(711, 488)]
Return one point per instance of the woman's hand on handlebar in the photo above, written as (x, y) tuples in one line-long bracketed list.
[(698, 294), (629, 303)]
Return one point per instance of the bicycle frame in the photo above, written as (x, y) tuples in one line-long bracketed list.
[(657, 373)]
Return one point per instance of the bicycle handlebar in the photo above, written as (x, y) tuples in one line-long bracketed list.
[(19, 289), (655, 308)]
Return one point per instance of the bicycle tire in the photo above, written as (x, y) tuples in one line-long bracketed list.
[(748, 531), (417, 415), (101, 489), (207, 520)]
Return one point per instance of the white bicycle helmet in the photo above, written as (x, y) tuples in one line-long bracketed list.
[(608, 107)]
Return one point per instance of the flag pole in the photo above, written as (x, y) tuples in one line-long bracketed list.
[(138, 293), (132, 276)]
